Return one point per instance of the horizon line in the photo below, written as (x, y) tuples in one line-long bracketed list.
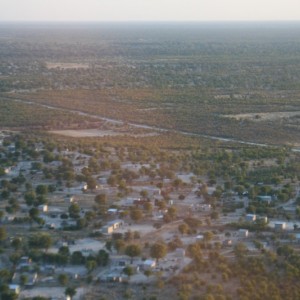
[(151, 21)]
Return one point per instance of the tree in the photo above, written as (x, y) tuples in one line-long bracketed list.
[(23, 279), (77, 258), (158, 251), (81, 223), (16, 243), (183, 228), (63, 279), (91, 265), (101, 199), (41, 189), (148, 207), (119, 245), (64, 250), (172, 211), (128, 270), (91, 183), (3, 234), (34, 213), (208, 235), (102, 258), (240, 250), (70, 291), (177, 183), (132, 251), (136, 214), (144, 194), (74, 210), (40, 240), (30, 197)]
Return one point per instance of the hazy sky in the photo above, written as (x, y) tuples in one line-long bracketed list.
[(148, 10)]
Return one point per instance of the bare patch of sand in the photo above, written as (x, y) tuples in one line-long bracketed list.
[(270, 116), (98, 133), (66, 66), (86, 133)]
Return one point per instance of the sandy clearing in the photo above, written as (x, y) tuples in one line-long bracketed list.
[(86, 133), (87, 245), (99, 133), (270, 116), (51, 292), (65, 66)]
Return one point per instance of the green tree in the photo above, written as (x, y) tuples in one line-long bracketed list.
[(144, 194), (132, 251), (128, 270), (23, 279), (34, 213), (63, 279), (240, 250), (3, 234), (101, 199), (102, 258), (119, 245), (70, 291), (30, 197), (91, 183), (16, 243), (158, 251), (40, 240), (64, 250), (136, 214), (77, 258), (90, 265), (41, 189), (183, 228), (74, 210)]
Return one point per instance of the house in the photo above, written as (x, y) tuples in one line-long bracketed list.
[(43, 208), (263, 219), (199, 238), (70, 199), (297, 236), (250, 218), (108, 229), (114, 278), (112, 211), (267, 199), (32, 278), (25, 263), (280, 226), (205, 207), (15, 288), (227, 243), (243, 233), (116, 224), (7, 170), (114, 275), (180, 253), (148, 264)]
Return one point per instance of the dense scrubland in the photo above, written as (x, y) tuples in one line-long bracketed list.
[(184, 77)]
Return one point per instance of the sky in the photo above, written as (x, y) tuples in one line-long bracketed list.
[(149, 10)]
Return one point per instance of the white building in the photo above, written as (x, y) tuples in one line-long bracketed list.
[(243, 233)]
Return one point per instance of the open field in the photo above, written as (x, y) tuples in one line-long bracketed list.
[(269, 116), (66, 66), (98, 133), (85, 133)]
